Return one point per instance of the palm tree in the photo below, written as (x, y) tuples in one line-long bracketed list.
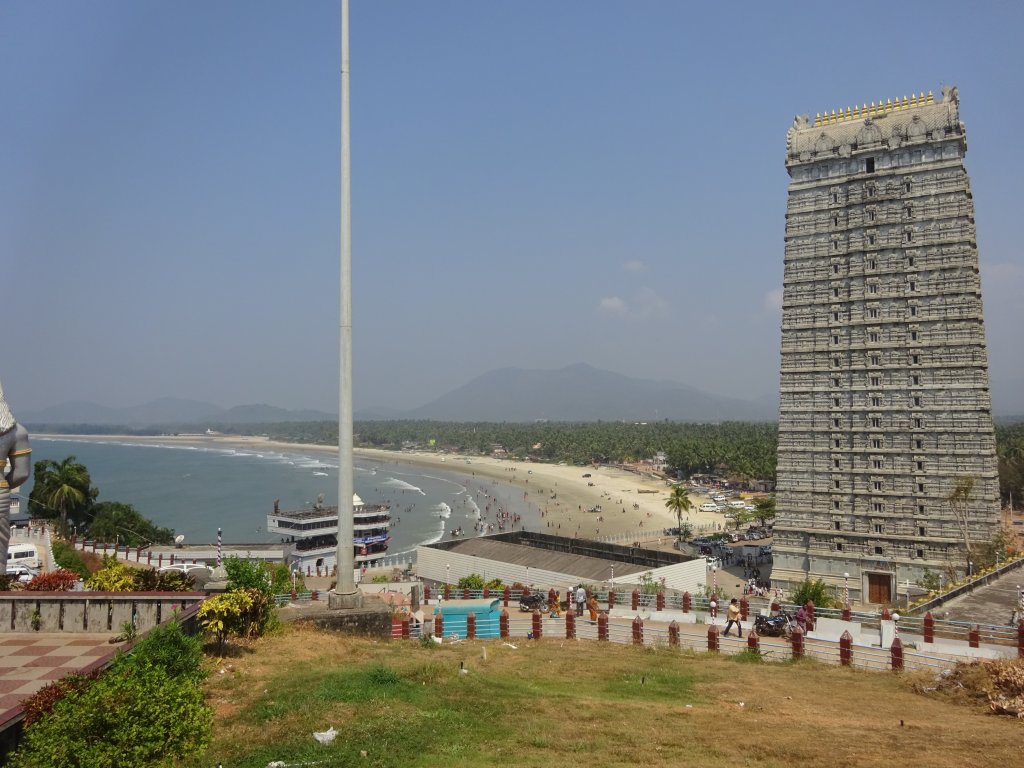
[(679, 501), (62, 487)]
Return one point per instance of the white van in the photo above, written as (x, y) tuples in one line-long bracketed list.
[(23, 554), (708, 506)]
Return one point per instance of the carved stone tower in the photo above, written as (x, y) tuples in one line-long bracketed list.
[(885, 408)]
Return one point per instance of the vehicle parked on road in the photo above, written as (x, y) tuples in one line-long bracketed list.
[(23, 554), (23, 573)]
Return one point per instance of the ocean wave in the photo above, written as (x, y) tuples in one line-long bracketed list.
[(320, 474), (443, 510)]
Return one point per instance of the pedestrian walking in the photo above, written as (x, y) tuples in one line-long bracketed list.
[(581, 600), (733, 618)]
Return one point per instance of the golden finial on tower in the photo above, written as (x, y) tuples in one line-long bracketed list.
[(817, 119), (847, 113), (905, 102), (888, 105), (931, 98), (913, 99)]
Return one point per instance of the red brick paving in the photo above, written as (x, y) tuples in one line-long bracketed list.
[(29, 662)]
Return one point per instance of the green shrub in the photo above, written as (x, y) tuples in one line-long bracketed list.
[(69, 558), (250, 574), (114, 576), (281, 579), (168, 646), (472, 581), (817, 591), (133, 715)]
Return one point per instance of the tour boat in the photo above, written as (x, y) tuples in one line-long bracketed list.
[(311, 534)]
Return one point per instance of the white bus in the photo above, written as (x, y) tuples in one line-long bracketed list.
[(23, 554)]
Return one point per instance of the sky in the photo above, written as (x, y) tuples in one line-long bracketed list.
[(534, 184)]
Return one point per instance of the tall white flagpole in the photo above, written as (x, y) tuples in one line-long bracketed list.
[(346, 588)]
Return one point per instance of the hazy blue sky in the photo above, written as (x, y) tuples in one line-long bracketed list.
[(534, 184)]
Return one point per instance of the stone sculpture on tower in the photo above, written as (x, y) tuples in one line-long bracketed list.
[(15, 466)]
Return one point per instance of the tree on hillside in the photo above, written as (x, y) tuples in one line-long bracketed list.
[(64, 489), (114, 521), (679, 501)]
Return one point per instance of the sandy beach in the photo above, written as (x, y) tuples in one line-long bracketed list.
[(631, 507)]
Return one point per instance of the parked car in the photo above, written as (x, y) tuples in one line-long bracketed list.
[(708, 506), (186, 568), (24, 573)]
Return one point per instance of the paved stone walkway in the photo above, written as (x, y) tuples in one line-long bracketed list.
[(28, 662)]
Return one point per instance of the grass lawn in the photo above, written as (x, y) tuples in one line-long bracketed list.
[(567, 703)]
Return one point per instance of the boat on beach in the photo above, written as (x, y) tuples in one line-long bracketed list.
[(311, 535)]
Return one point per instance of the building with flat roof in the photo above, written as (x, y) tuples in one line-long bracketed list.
[(886, 459), (544, 561)]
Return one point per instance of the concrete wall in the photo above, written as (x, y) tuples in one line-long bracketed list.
[(27, 612)]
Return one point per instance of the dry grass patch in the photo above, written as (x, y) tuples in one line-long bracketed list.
[(558, 702)]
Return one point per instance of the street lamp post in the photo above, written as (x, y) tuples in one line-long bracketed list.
[(895, 626), (846, 590), (448, 573)]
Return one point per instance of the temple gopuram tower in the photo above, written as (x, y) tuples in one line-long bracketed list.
[(886, 459)]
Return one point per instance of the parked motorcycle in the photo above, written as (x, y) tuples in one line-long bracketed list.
[(534, 601), (780, 625)]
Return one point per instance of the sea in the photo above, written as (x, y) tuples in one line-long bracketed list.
[(196, 489)]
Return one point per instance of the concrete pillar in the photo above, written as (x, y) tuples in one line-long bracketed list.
[(974, 636), (465, 593), (506, 595), (405, 628), (439, 625), (744, 608), (503, 624), (570, 625), (635, 604), (896, 655), (929, 628), (753, 642), (798, 643), (687, 602), (611, 599), (426, 593), (659, 602), (602, 626), (538, 625), (471, 626), (638, 631), (846, 649), (673, 634), (712, 637)]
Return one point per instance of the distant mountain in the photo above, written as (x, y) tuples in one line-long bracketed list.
[(583, 393), (165, 411)]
